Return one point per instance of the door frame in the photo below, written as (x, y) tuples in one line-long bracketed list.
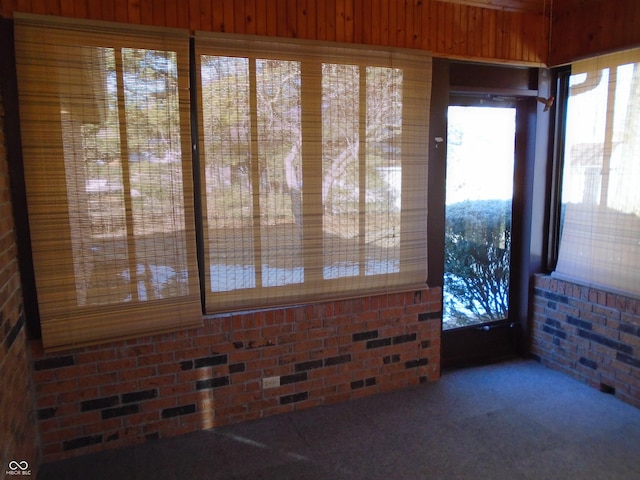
[(453, 81)]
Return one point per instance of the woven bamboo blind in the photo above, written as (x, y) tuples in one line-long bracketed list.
[(106, 144), (314, 169), (601, 200)]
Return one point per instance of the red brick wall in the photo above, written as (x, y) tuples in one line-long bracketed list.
[(128, 392), (18, 434), (590, 334)]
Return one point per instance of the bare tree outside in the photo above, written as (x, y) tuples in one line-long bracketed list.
[(480, 158), (257, 153)]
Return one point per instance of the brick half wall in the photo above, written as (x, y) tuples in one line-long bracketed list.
[(18, 435), (588, 333), (130, 392)]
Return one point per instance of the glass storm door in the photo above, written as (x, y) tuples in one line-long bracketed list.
[(479, 192)]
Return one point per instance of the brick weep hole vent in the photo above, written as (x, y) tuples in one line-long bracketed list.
[(589, 334), (127, 392)]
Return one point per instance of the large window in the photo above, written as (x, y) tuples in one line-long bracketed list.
[(600, 224), (105, 127), (314, 170), (313, 174)]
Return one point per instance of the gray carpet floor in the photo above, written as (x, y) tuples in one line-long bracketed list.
[(514, 420)]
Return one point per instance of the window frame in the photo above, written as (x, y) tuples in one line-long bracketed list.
[(60, 325), (256, 47), (557, 128), (607, 61), (32, 312)]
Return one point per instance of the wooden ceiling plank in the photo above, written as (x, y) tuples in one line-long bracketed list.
[(522, 6)]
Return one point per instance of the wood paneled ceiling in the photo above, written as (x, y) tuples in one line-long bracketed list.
[(526, 6)]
